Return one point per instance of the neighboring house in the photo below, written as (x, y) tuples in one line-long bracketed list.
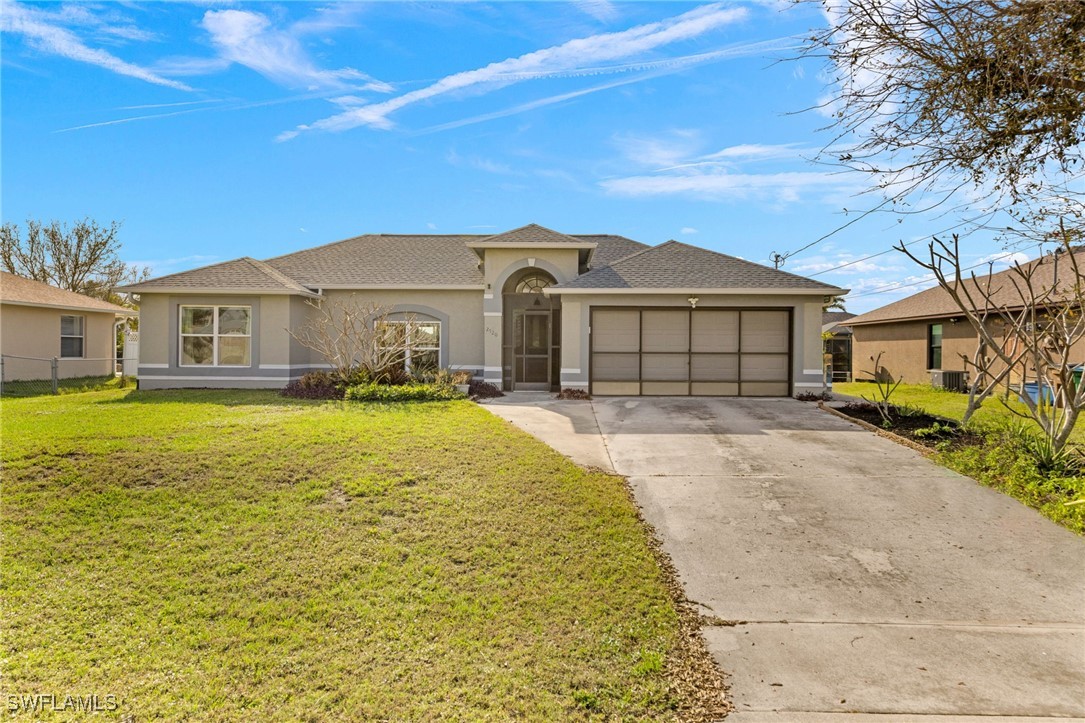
[(39, 322), (927, 331), (527, 309), (837, 337)]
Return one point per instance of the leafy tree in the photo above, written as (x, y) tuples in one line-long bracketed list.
[(83, 257)]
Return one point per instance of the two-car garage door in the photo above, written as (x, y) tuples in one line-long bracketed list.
[(712, 352)]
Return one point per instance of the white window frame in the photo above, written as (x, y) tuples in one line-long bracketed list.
[(406, 323), (82, 336), (215, 336)]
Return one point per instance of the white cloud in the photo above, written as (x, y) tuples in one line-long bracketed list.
[(601, 10), (479, 164), (669, 149), (687, 231), (571, 57), (431, 226), (161, 267), (44, 33), (248, 38), (844, 264), (784, 187), (1001, 260)]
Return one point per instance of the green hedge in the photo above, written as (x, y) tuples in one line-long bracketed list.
[(414, 392)]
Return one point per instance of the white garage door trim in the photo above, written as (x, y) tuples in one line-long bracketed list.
[(676, 351)]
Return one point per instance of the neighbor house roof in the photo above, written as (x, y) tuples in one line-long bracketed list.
[(833, 321), (27, 292), (245, 275), (675, 266), (936, 302)]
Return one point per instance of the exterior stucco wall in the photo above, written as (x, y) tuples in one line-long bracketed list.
[(904, 347), (806, 328), (32, 331), (502, 264), (460, 314), (276, 356)]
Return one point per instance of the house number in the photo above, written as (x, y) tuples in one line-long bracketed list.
[(491, 331)]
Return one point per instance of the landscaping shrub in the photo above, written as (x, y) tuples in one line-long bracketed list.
[(574, 394), (410, 392), (814, 397), (484, 390), (1012, 460), (314, 385)]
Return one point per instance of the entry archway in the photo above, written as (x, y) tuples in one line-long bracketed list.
[(532, 332)]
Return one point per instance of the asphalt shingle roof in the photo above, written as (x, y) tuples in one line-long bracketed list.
[(385, 260), (533, 233), (405, 261), (677, 265), (936, 302), (18, 290), (244, 274)]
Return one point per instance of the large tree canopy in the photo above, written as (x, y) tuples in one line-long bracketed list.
[(83, 257), (936, 95)]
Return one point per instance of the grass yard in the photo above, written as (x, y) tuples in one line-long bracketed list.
[(71, 385), (998, 461), (217, 555), (943, 403)]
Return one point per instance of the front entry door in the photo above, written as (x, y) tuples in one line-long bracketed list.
[(531, 368)]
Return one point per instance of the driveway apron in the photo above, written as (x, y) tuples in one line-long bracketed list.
[(843, 576)]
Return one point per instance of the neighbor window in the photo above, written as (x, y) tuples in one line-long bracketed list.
[(218, 336), (417, 343), (934, 347), (71, 336)]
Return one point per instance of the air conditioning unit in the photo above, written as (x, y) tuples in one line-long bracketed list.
[(951, 380)]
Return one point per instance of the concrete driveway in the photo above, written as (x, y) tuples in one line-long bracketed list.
[(861, 577)]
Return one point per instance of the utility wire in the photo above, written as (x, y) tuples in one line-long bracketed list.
[(887, 289)]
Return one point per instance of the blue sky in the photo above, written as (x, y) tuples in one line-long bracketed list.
[(216, 129)]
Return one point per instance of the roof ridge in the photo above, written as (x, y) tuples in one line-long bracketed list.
[(87, 301), (527, 226), (623, 258), (274, 274)]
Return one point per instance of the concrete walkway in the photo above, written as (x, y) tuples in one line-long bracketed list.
[(863, 582)]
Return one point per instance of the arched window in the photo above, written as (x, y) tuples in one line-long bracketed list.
[(533, 284)]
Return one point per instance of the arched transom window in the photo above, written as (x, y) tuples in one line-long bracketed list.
[(533, 284)]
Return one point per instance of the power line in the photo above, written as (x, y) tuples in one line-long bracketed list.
[(887, 289)]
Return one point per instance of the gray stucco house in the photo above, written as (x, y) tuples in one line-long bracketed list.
[(530, 308)]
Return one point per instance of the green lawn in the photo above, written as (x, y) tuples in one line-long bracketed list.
[(943, 403), (999, 462), (71, 385), (236, 555)]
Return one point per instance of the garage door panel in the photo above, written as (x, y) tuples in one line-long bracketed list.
[(765, 331), (616, 389), (616, 330), (763, 389), (682, 351), (616, 367), (714, 389), (764, 367), (665, 367), (665, 330), (714, 331), (664, 389), (714, 367)]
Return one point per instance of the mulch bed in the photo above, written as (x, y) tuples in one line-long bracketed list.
[(907, 424)]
